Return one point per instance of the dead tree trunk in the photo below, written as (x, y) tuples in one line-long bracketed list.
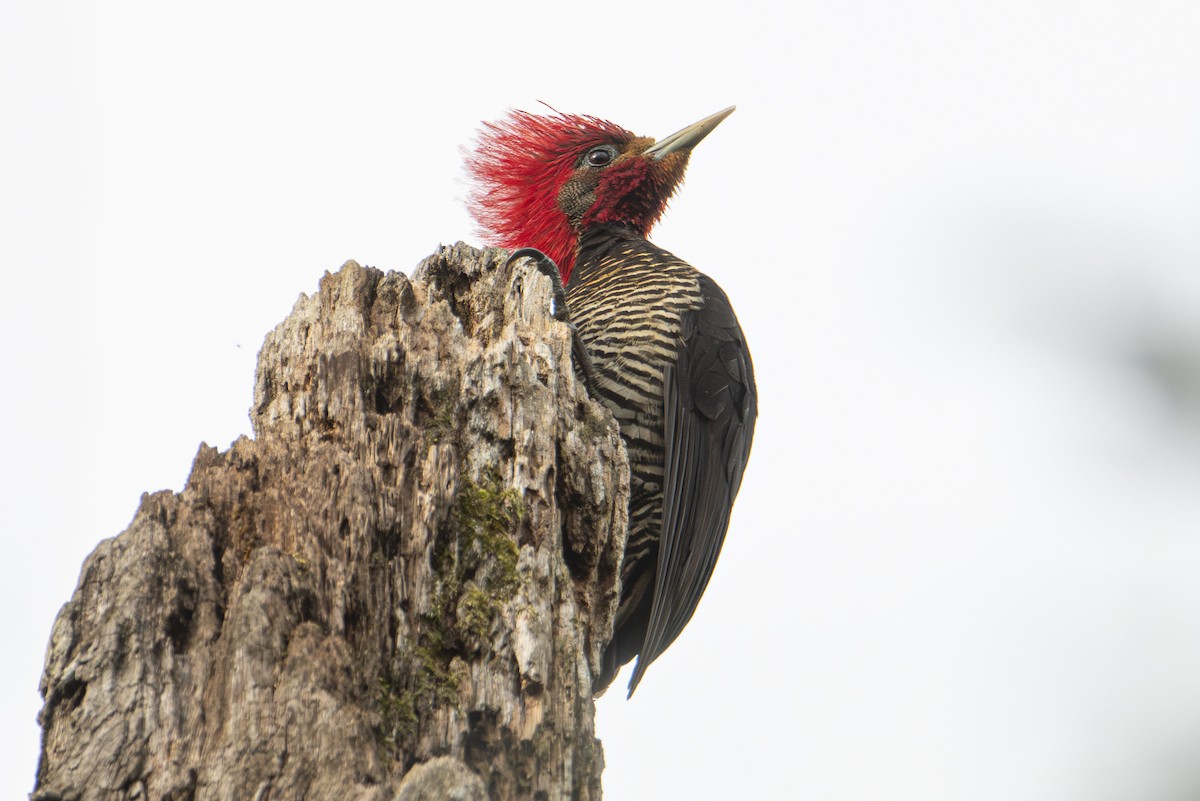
[(399, 589)]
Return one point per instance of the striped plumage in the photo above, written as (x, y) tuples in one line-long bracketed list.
[(627, 299), (668, 356)]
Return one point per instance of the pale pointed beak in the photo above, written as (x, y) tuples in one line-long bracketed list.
[(688, 137)]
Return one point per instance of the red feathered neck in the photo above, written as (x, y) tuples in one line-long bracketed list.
[(519, 167)]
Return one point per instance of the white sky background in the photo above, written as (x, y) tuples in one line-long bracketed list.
[(963, 239)]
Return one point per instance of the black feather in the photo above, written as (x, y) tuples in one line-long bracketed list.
[(710, 404), (671, 363)]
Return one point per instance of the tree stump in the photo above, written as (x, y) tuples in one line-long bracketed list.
[(399, 589)]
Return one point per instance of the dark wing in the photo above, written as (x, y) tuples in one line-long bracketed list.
[(710, 405)]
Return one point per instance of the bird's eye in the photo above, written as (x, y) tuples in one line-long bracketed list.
[(599, 156)]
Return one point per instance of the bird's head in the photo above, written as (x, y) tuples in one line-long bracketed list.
[(541, 181)]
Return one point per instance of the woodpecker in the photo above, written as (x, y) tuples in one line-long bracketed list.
[(658, 340)]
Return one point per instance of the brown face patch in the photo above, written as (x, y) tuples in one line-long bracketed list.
[(630, 190), (579, 195)]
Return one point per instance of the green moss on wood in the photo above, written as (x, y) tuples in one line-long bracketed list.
[(397, 714), (423, 684), (486, 515), (475, 560)]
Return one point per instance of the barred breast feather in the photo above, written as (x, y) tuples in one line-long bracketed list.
[(671, 363)]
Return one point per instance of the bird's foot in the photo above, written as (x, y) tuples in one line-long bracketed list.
[(546, 266), (561, 312)]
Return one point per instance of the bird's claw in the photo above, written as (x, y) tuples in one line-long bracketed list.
[(561, 312), (546, 266)]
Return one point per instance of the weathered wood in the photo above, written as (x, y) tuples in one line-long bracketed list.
[(400, 588)]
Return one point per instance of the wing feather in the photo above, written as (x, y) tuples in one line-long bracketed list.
[(710, 407)]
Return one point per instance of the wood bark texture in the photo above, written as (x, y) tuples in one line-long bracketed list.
[(399, 589)]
